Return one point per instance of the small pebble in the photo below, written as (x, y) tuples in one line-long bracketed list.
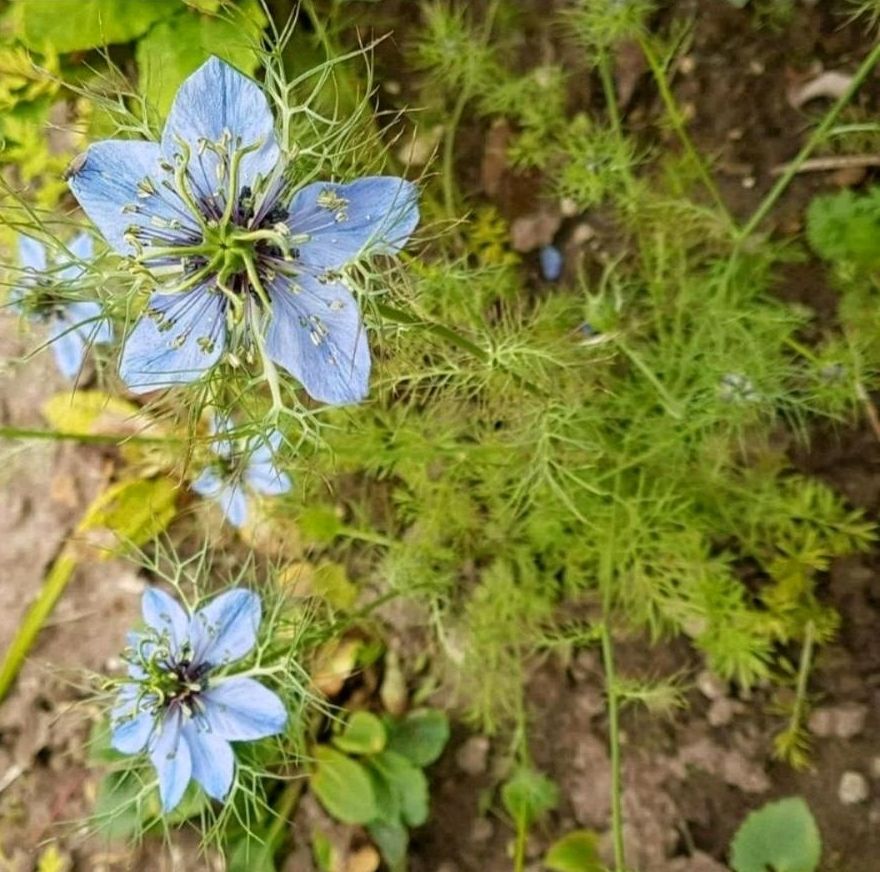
[(482, 830), (473, 756), (551, 262), (841, 721), (853, 788), (710, 685)]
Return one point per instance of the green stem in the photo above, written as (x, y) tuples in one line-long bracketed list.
[(803, 677), (816, 137), (87, 438), (519, 850), (53, 586), (666, 399), (614, 747), (678, 125), (443, 332), (603, 65), (287, 802)]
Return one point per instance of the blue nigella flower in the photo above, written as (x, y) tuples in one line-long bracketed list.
[(178, 707), (255, 268), (73, 324), (252, 468)]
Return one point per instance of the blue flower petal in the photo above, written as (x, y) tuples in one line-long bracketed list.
[(226, 628), (81, 248), (376, 214), (175, 341), (131, 724), (32, 254), (316, 335), (213, 763), (265, 478), (170, 754), (164, 614), (230, 497), (68, 346), (89, 318), (107, 182), (241, 709), (217, 101)]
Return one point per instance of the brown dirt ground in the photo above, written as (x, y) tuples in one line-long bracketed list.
[(688, 784)]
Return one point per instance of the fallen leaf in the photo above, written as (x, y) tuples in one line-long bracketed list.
[(494, 162), (831, 85)]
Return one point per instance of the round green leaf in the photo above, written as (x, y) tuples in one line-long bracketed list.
[(420, 736), (363, 734), (343, 787), (781, 836), (577, 851)]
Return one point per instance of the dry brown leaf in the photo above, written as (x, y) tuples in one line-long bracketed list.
[(831, 84)]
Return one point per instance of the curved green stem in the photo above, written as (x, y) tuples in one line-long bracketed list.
[(810, 145), (677, 121)]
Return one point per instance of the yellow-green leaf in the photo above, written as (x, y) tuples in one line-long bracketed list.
[(129, 512)]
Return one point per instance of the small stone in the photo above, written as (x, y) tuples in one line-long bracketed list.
[(841, 721), (447, 866), (875, 767), (853, 788), (710, 685), (473, 756), (722, 711), (482, 830)]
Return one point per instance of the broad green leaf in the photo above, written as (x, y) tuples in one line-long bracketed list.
[(343, 787), (781, 836), (528, 795), (128, 512), (251, 854), (392, 840), (174, 48), (363, 734), (408, 783), (577, 851), (76, 25), (420, 736)]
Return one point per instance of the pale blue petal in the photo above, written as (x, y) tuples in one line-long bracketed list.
[(317, 336), (171, 756), (225, 629), (221, 425), (374, 215), (208, 484), (233, 502), (164, 614), (175, 341), (213, 763), (108, 181), (216, 100), (241, 709), (81, 249), (131, 723), (265, 478), (68, 347), (32, 254), (88, 316)]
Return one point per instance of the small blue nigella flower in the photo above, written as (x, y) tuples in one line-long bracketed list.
[(254, 266), (178, 708), (253, 468), (73, 324)]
